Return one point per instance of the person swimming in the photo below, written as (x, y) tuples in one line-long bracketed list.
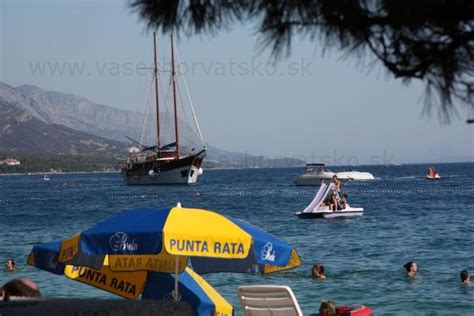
[(411, 268), (327, 308), (10, 266), (318, 271), (465, 277)]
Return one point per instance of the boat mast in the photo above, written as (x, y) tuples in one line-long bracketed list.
[(156, 95), (173, 74)]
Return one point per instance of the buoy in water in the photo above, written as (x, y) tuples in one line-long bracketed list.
[(360, 310)]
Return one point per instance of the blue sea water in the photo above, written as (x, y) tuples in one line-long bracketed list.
[(407, 218)]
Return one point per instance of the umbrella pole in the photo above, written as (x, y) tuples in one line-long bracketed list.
[(176, 268)]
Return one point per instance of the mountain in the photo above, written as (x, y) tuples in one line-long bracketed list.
[(23, 128), (35, 120), (21, 132), (229, 159), (80, 114)]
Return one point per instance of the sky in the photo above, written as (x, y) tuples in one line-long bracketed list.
[(308, 106)]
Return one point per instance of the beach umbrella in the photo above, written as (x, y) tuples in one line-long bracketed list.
[(202, 297), (166, 239)]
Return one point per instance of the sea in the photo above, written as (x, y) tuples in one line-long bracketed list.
[(407, 218)]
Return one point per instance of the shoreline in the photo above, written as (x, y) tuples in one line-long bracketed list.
[(54, 173), (231, 168)]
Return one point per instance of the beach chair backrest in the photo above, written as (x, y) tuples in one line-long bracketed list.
[(268, 300)]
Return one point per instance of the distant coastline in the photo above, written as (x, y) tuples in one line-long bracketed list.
[(338, 167), (55, 173)]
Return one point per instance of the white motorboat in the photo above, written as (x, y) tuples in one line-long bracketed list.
[(315, 174), (356, 175), (46, 178), (317, 209)]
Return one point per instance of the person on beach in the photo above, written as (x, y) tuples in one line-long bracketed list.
[(327, 308), (10, 266), (19, 289), (318, 271), (411, 268), (465, 277)]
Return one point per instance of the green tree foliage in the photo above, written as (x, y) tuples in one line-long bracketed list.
[(430, 40), (44, 162)]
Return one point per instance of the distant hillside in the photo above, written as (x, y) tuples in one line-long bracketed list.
[(227, 159), (36, 120), (21, 132), (80, 114)]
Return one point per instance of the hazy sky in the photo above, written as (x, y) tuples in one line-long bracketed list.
[(307, 106)]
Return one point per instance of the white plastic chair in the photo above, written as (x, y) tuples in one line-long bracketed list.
[(268, 300)]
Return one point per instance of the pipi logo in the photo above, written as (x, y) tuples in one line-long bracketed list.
[(268, 253), (51, 262), (119, 242)]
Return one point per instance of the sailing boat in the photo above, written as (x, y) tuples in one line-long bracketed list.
[(169, 163)]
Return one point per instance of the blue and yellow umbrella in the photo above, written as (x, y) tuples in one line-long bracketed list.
[(166, 239), (163, 239), (202, 297)]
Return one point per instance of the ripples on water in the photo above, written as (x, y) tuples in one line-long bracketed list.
[(407, 218)]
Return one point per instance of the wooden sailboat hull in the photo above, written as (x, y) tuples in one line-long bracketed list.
[(156, 172)]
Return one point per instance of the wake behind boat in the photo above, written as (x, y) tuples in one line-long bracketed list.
[(173, 163), (318, 208), (356, 175)]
